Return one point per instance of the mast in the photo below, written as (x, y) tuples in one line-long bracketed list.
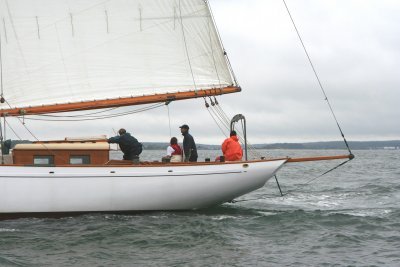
[(2, 100)]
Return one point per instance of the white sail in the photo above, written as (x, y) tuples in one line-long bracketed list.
[(62, 51)]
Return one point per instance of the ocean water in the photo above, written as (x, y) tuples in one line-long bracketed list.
[(349, 217)]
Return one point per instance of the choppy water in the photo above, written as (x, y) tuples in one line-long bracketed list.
[(350, 217)]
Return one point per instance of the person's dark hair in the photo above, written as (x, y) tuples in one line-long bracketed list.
[(233, 133), (174, 141), (122, 131)]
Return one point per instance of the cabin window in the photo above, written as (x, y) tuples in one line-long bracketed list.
[(76, 160), (43, 160)]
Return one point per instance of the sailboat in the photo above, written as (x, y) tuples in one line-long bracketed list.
[(74, 56)]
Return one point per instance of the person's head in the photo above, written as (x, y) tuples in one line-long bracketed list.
[(184, 128), (233, 133), (174, 141), (122, 131)]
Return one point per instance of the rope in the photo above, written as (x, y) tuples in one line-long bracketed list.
[(169, 121), (220, 114), (34, 136), (334, 168), (207, 106), (316, 75), (223, 118), (9, 126), (252, 149), (91, 118), (75, 116), (222, 111), (4, 123), (222, 131), (215, 114)]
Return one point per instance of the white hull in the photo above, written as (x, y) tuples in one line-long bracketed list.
[(94, 189)]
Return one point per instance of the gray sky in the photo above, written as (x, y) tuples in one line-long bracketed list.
[(354, 45)]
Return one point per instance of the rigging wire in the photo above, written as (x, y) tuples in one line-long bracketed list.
[(54, 153), (1, 143), (295, 189), (316, 75)]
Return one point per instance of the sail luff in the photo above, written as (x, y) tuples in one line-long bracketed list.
[(221, 44), (117, 102)]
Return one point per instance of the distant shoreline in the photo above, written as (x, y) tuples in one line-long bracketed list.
[(356, 145)]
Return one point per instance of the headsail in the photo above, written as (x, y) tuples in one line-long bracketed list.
[(62, 52)]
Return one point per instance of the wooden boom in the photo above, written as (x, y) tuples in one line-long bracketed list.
[(118, 102), (350, 156)]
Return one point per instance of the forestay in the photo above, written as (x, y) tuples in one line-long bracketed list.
[(59, 51)]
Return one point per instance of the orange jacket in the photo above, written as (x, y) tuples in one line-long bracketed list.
[(232, 149)]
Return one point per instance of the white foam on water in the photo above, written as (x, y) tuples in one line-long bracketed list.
[(223, 217), (311, 201), (367, 213), (267, 213), (8, 230)]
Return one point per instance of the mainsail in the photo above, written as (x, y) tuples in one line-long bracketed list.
[(58, 53)]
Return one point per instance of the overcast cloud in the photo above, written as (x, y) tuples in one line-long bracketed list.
[(354, 45)]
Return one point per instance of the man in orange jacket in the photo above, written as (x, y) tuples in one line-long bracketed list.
[(231, 148)]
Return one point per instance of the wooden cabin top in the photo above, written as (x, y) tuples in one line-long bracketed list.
[(63, 152), (64, 146)]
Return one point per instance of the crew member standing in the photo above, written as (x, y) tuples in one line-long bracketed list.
[(231, 148), (189, 146), (129, 145)]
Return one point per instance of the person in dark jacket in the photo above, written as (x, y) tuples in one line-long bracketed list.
[(189, 146), (129, 145)]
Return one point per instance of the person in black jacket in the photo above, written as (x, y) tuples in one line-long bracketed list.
[(189, 146), (129, 145)]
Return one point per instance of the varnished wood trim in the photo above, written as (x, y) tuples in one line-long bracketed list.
[(125, 163), (119, 102), (320, 158)]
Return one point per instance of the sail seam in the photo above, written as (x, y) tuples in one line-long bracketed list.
[(186, 48), (5, 30)]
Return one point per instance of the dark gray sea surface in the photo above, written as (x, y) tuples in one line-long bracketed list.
[(348, 217)]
